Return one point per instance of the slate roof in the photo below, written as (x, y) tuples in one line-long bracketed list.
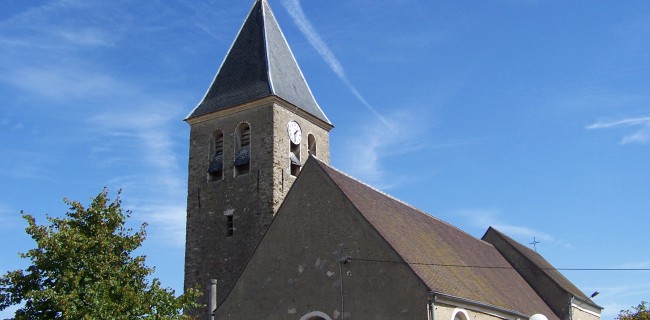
[(446, 259), (259, 64), (543, 266)]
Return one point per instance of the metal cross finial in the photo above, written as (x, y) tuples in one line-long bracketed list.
[(534, 243)]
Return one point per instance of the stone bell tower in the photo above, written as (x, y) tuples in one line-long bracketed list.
[(249, 137)]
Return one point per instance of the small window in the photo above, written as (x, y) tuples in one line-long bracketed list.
[(311, 145), (242, 149), (294, 158), (230, 226), (215, 169)]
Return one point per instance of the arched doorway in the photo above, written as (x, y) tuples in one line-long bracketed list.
[(315, 315)]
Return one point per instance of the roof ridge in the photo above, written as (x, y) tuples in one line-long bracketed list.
[(266, 44), (266, 5), (415, 237), (402, 202), (545, 269), (259, 63)]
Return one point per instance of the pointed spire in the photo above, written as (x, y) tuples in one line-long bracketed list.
[(259, 64)]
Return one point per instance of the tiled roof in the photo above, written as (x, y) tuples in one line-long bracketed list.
[(543, 265), (446, 259), (259, 64)]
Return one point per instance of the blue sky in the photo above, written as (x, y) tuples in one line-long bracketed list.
[(532, 116)]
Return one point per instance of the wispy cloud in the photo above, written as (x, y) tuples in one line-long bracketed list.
[(635, 265), (627, 122), (642, 125), (131, 134), (211, 21), (64, 82), (300, 19), (151, 126), (483, 218), (610, 297), (4, 213), (46, 26), (170, 218), (86, 37), (8, 125), (628, 290), (374, 144), (46, 53), (9, 218), (148, 130), (383, 155), (377, 140)]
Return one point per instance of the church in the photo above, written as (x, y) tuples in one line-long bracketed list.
[(275, 232)]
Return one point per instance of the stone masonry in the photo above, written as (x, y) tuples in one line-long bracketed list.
[(251, 199)]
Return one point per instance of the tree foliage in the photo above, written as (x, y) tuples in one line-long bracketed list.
[(83, 268), (639, 312)]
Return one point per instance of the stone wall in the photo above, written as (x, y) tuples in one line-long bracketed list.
[(281, 163), (297, 270), (581, 313), (250, 199), (548, 289)]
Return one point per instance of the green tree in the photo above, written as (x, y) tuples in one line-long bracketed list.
[(83, 268), (639, 312)]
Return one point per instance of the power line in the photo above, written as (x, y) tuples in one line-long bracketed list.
[(494, 267)]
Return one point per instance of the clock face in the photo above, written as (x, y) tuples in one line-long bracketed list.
[(295, 134)]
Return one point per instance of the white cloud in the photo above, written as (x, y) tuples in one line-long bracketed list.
[(152, 129), (642, 134), (305, 26), (157, 201), (167, 218), (374, 143), (131, 134), (483, 218), (628, 122), (4, 213), (210, 21), (9, 217), (611, 298), (146, 133), (635, 265), (85, 37), (47, 26), (611, 309), (45, 51), (523, 232), (8, 125), (63, 82), (377, 140)]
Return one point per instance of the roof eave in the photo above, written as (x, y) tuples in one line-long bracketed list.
[(589, 302), (500, 311), (260, 103), (564, 286)]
